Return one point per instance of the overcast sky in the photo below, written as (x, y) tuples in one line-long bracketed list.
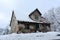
[(22, 8)]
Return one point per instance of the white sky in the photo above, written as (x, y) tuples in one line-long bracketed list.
[(22, 8)]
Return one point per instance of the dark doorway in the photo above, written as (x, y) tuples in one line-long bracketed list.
[(37, 27)]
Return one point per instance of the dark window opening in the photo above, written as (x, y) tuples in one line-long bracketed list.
[(26, 26), (37, 26), (36, 17)]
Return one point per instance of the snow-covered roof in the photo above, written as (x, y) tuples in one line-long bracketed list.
[(41, 20), (32, 22), (34, 11), (27, 18)]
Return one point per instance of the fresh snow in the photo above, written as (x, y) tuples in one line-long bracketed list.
[(31, 36)]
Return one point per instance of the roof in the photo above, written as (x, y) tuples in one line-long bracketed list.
[(28, 19), (31, 22), (34, 11), (44, 20), (11, 17)]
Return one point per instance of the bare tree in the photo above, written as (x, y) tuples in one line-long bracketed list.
[(53, 16)]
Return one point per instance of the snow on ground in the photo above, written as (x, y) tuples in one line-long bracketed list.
[(31, 36)]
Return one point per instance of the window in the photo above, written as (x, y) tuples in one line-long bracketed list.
[(26, 26), (36, 17), (37, 26)]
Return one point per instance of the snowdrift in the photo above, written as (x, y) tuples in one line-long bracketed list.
[(31, 36)]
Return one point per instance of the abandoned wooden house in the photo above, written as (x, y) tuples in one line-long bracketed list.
[(38, 23)]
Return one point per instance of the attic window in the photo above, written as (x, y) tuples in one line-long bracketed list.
[(36, 17)]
